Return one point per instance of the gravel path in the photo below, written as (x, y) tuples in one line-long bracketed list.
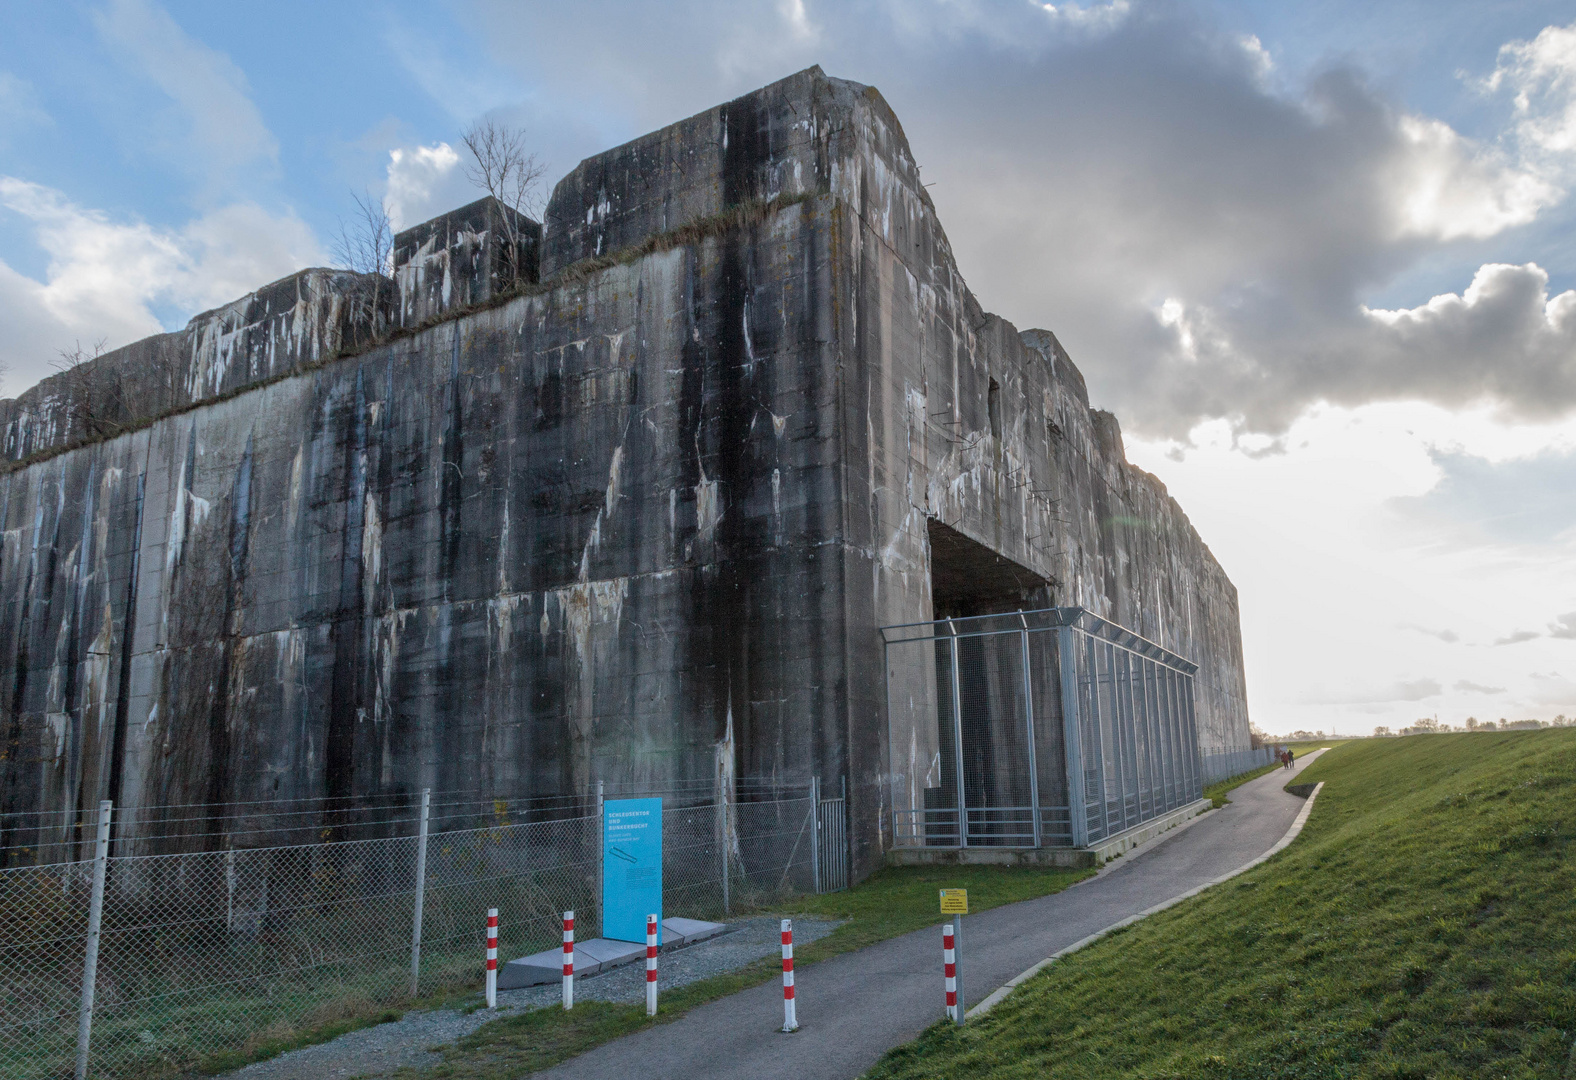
[(413, 1039)]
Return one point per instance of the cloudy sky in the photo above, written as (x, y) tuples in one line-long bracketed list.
[(1319, 258)]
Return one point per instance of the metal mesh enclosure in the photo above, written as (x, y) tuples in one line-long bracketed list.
[(1059, 728), (1217, 767), (205, 957)]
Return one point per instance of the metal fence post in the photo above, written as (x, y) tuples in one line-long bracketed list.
[(90, 956), (601, 916), (845, 854), (815, 832), (421, 893), (957, 735), (721, 797)]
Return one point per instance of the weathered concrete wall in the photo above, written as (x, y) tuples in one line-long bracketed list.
[(590, 532), (463, 258), (295, 322)]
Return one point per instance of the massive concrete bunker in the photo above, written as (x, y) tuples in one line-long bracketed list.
[(635, 514)]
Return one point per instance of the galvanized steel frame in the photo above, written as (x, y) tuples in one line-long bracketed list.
[(1128, 726)]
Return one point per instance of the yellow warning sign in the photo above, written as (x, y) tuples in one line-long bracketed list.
[(954, 901)]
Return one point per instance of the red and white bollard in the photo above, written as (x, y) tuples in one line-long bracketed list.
[(651, 965), (569, 959), (950, 966), (492, 958), (790, 1017)]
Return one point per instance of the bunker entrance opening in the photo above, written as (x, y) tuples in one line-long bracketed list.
[(967, 578), (1057, 727)]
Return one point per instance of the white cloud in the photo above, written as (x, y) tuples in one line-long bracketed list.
[(798, 19), (1542, 75), (1097, 17), (227, 134), (1447, 187), (1519, 503), (772, 41), (105, 278), (1564, 626), (423, 182)]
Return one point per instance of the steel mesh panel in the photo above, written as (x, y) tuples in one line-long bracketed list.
[(918, 678), (43, 925), (995, 744), (943, 815), (691, 861), (774, 849), (1050, 752)]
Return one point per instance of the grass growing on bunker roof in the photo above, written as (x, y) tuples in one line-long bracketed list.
[(1419, 927), (721, 223), (890, 902)]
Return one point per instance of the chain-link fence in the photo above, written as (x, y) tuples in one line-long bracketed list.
[(1034, 729), (1223, 766), (206, 958)]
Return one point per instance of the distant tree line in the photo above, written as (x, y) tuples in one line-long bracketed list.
[(1428, 725), (1432, 726)]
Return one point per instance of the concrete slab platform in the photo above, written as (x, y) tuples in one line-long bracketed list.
[(608, 952), (677, 932), (545, 967), (596, 955)]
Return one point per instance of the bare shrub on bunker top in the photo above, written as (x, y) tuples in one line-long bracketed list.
[(503, 167), (366, 245)]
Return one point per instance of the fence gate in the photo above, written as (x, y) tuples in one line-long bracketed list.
[(831, 857), (1033, 729)]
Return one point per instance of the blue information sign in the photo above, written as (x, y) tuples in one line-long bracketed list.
[(631, 867)]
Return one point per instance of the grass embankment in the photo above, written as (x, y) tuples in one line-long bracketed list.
[(1419, 927), (891, 902)]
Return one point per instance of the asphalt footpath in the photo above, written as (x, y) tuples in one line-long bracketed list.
[(855, 1007)]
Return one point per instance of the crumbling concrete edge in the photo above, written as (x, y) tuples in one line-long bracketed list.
[(1284, 842)]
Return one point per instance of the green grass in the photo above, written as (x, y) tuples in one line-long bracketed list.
[(1419, 927), (1216, 792), (890, 902)]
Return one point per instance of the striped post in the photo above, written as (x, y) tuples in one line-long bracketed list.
[(950, 966), (569, 959), (790, 1016), (651, 965), (492, 958)]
